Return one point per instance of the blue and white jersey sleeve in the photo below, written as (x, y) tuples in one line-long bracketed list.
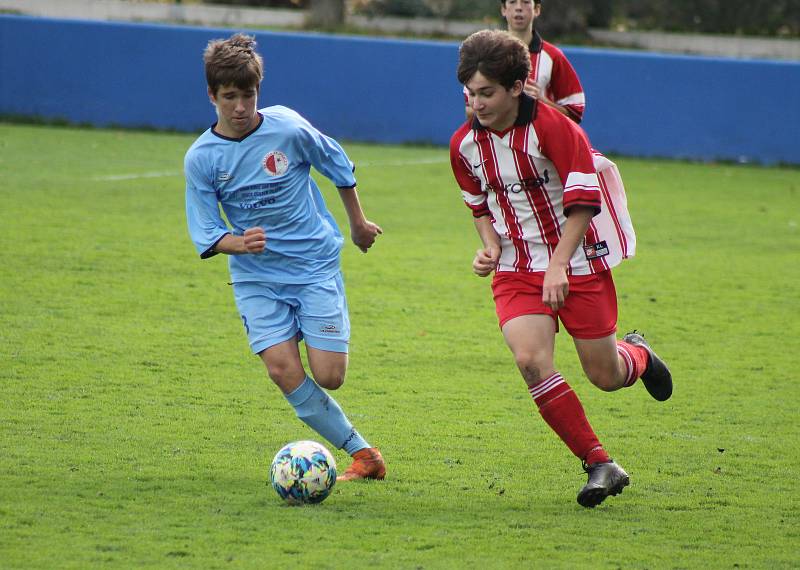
[(206, 226)]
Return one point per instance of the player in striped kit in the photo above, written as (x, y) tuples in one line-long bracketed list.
[(552, 217), (552, 79)]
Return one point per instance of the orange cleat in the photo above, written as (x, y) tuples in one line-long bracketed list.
[(367, 464)]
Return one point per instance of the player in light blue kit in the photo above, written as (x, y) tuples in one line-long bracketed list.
[(282, 241)]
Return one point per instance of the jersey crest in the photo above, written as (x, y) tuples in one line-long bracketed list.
[(275, 163)]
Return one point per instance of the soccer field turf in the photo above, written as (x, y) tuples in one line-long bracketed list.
[(136, 428)]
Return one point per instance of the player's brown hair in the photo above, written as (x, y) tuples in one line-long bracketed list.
[(535, 2), (233, 61), (498, 55)]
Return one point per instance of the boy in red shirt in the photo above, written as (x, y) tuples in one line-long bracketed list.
[(528, 174)]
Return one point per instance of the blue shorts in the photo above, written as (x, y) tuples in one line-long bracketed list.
[(273, 313)]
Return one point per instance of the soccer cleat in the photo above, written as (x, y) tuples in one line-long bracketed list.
[(604, 479), (367, 464), (656, 377)]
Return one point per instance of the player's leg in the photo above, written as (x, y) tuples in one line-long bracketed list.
[(590, 316), (269, 313), (611, 364), (602, 363), (271, 328), (653, 371), (328, 367), (325, 324), (531, 339), (283, 364), (529, 330)]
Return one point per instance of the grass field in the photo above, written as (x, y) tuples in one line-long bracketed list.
[(136, 428)]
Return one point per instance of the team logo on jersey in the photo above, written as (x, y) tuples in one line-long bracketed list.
[(528, 184), (595, 250), (275, 163)]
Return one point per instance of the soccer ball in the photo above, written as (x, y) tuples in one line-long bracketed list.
[(303, 472)]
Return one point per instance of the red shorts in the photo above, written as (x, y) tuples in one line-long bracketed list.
[(589, 311)]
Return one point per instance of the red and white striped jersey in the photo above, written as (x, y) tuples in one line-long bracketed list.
[(553, 73), (528, 177)]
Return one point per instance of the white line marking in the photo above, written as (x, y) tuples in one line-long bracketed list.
[(412, 162), (364, 164), (116, 177)]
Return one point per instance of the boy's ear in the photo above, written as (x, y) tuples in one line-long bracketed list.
[(517, 88), (212, 96)]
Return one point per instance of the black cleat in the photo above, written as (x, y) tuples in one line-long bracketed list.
[(656, 377), (604, 479)]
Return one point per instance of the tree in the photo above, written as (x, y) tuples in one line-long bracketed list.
[(327, 14)]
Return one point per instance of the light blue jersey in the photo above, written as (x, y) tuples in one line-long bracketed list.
[(263, 180)]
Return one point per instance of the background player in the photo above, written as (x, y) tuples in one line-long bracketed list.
[(552, 79), (283, 243), (528, 175)]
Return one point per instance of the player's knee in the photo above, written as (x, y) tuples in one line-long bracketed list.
[(606, 380), (331, 380), (530, 366), (284, 373)]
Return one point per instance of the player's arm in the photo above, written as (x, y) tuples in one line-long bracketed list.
[(568, 148), (208, 230), (533, 90), (328, 157), (474, 196), (362, 231), (560, 108), (568, 95), (486, 259), (252, 241), (556, 285)]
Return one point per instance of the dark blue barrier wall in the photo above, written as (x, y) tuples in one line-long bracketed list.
[(691, 107), (390, 90)]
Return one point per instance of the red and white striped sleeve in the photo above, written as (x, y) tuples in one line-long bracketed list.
[(565, 87), (471, 188), (568, 148)]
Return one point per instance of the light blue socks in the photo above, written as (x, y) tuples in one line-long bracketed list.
[(321, 413)]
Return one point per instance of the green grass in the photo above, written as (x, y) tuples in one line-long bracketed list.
[(136, 428)]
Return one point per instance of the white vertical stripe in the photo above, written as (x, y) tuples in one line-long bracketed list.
[(544, 71)]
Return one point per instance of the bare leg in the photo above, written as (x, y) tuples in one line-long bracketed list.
[(328, 368), (601, 362), (531, 339), (284, 366)]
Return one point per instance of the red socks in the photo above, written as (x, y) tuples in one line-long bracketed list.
[(635, 358), (564, 413)]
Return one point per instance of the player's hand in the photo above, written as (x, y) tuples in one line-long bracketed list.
[(555, 287), (532, 89), (486, 260), (255, 240), (364, 235)]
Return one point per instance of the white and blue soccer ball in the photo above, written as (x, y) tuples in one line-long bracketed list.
[(303, 472)]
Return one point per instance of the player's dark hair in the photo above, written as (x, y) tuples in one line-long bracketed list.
[(498, 55), (233, 61), (535, 2)]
